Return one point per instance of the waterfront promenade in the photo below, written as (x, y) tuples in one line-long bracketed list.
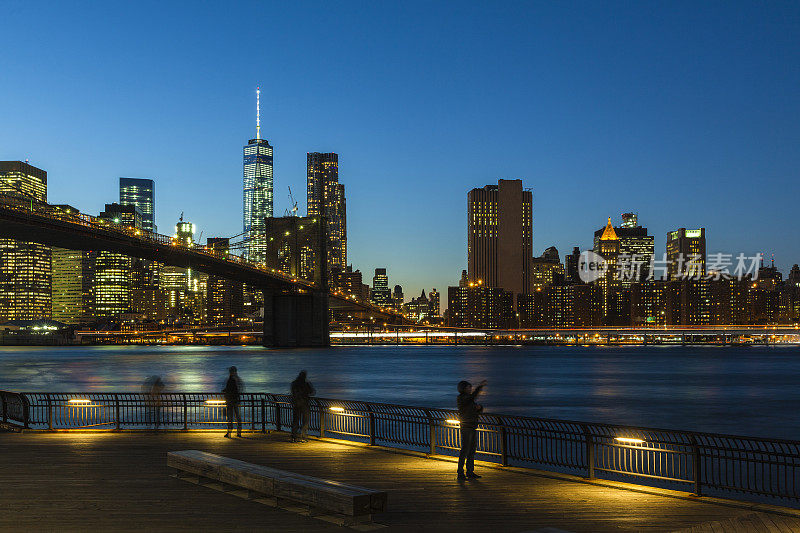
[(71, 481)]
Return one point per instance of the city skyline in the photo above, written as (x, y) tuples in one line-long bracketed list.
[(720, 152)]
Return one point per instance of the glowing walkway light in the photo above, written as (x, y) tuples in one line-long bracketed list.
[(628, 440), (337, 409)]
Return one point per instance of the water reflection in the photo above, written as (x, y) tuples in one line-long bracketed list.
[(741, 390)]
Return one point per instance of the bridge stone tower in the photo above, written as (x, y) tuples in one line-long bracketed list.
[(298, 246)]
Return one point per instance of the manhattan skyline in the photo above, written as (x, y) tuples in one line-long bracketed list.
[(597, 120)]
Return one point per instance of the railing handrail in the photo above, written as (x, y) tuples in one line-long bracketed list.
[(753, 465), (423, 409)]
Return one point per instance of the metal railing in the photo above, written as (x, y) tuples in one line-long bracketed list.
[(701, 463)]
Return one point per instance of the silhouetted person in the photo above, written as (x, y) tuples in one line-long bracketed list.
[(153, 387), (302, 391), (233, 390), (468, 412)]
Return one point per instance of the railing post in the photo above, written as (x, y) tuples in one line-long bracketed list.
[(116, 410), (696, 467), (263, 416), (252, 412), (185, 413), (432, 427), (277, 415), (321, 421), (503, 445), (371, 426), (590, 449), (49, 413), (5, 407), (26, 411)]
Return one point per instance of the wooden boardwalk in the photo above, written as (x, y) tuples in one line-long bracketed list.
[(103, 481)]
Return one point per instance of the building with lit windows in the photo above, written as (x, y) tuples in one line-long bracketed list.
[(480, 307), (72, 286), (224, 297), (292, 244), (258, 181), (111, 285), (546, 269), (686, 253), (381, 294), (326, 199), (25, 269), (500, 236), (634, 242), (141, 193), (608, 247)]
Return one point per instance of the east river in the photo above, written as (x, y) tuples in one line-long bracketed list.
[(752, 390)]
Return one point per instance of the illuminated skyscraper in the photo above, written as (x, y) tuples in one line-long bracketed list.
[(686, 253), (72, 286), (609, 247), (111, 287), (141, 193), (381, 294), (634, 243), (326, 198), (500, 236), (257, 189), (25, 275)]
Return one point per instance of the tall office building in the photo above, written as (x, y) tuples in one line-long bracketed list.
[(141, 193), (608, 246), (72, 286), (686, 253), (500, 236), (25, 274), (381, 294), (111, 287), (326, 199), (634, 242), (257, 189)]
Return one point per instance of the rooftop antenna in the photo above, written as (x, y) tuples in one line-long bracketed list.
[(258, 113)]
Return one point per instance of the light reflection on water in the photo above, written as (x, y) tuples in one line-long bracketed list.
[(740, 390)]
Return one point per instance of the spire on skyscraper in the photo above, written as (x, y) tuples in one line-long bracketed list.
[(258, 113)]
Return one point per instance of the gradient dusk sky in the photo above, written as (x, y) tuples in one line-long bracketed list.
[(685, 112)]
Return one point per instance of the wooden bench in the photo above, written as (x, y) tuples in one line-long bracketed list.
[(261, 481)]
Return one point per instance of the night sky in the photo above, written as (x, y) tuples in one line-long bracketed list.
[(685, 112)]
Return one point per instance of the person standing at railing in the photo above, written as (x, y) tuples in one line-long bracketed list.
[(468, 413), (302, 391), (234, 387)]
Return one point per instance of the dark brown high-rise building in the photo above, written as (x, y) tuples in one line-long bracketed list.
[(686, 253), (500, 236), (326, 198)]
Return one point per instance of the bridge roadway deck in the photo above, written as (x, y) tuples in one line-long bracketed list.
[(103, 481)]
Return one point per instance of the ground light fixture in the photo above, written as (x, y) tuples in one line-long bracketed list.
[(216, 402), (452, 421), (337, 409), (80, 401)]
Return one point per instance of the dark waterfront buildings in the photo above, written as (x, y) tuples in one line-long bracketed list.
[(500, 236), (326, 199), (25, 268)]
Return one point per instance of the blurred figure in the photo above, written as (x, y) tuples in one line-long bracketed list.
[(302, 391), (234, 387), (152, 388), (468, 413)]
